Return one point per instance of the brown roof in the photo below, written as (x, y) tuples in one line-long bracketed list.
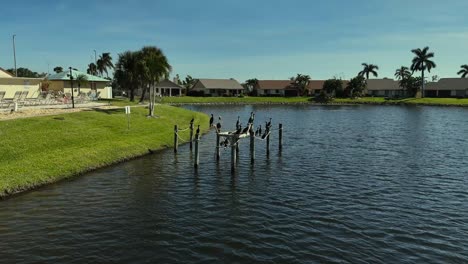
[(315, 85), (383, 84), (168, 84), (273, 84), (230, 84), (448, 84)]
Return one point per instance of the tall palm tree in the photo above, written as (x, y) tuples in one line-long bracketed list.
[(422, 62), (369, 68), (92, 69), (100, 67), (463, 71), (402, 73), (106, 63), (158, 67)]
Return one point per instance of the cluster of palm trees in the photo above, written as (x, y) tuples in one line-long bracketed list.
[(421, 62), (141, 69), (103, 65)]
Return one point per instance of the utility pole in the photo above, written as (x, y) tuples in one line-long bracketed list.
[(14, 54)]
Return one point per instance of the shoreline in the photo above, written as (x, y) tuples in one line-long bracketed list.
[(39, 163), (319, 104)]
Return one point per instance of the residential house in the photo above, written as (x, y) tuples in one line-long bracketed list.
[(315, 87), (447, 87), (10, 84), (272, 87), (384, 88), (218, 87), (168, 88), (94, 85)]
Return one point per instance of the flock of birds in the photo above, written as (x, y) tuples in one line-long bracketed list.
[(240, 130)]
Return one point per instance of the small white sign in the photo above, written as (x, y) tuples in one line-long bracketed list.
[(127, 110)]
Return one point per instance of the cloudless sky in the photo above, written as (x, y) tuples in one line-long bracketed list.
[(242, 39)]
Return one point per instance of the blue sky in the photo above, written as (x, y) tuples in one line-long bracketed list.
[(263, 39)]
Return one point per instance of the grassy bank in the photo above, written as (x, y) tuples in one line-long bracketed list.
[(41, 150)]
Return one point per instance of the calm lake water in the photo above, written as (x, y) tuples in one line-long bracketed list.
[(353, 184)]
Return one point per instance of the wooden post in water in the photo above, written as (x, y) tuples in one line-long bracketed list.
[(233, 154), (280, 136), (217, 146), (176, 140), (252, 147), (197, 154), (268, 143), (191, 135)]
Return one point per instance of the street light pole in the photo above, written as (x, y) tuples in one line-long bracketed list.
[(95, 60), (14, 54), (71, 81)]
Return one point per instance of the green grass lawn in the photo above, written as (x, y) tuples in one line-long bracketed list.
[(40, 150)]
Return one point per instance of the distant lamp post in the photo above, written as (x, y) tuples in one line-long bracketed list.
[(71, 81), (14, 55)]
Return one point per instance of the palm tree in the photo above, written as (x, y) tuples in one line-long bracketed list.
[(158, 68), (100, 67), (422, 62), (81, 79), (92, 69), (106, 63), (251, 85), (368, 68), (58, 69), (301, 81), (126, 74), (402, 73), (463, 71)]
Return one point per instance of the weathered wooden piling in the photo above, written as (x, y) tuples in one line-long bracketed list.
[(252, 147), (191, 135), (280, 136), (233, 154), (176, 139), (268, 143), (217, 146), (197, 154)]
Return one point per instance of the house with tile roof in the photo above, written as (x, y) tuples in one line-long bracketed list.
[(273, 87), (447, 87), (168, 88), (218, 87), (94, 84), (384, 88)]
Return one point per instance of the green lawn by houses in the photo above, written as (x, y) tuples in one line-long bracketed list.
[(41, 150)]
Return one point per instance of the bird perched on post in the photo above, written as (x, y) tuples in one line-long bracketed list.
[(252, 117), (246, 129), (198, 129), (191, 121), (211, 120), (239, 129), (268, 124), (218, 125), (237, 122)]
